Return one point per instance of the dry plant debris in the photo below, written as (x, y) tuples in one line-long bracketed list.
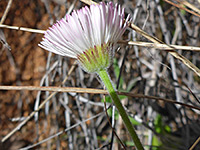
[(78, 120)]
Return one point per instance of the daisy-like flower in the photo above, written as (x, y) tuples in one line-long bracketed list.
[(88, 35)]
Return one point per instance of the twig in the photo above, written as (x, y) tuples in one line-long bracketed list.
[(172, 52), (113, 130), (6, 11), (189, 5), (181, 7), (138, 43), (195, 143), (61, 132), (92, 91), (22, 29), (34, 112), (134, 27), (157, 98), (161, 46), (88, 2), (55, 89)]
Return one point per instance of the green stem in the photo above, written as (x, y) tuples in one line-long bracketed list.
[(107, 82)]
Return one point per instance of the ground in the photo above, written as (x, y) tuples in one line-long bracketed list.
[(145, 71)]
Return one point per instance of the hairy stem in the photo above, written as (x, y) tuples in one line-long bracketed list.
[(107, 82)]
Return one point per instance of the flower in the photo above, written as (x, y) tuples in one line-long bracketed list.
[(88, 35)]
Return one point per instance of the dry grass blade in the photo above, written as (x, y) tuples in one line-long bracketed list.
[(161, 46), (172, 52), (195, 143), (27, 119), (55, 89), (189, 5), (92, 91), (113, 130), (181, 7), (156, 40), (40, 106), (6, 11), (186, 62), (157, 98), (146, 35), (22, 29), (169, 89), (151, 38), (88, 2), (61, 132)]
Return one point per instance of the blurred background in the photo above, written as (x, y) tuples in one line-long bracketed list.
[(142, 70)]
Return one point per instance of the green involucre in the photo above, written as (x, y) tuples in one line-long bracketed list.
[(97, 58)]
